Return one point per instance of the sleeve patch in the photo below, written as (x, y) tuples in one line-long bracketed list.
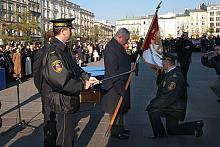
[(171, 86), (57, 66)]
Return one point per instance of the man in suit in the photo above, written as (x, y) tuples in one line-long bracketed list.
[(170, 102), (117, 61)]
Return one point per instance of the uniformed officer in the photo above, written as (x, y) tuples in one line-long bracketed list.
[(170, 102), (59, 80), (184, 49), (212, 60)]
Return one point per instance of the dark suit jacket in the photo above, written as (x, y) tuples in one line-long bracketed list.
[(116, 61)]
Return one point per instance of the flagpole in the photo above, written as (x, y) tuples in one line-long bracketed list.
[(152, 22)]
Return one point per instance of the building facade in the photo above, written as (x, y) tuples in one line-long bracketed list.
[(202, 20), (12, 13), (213, 23), (43, 11), (54, 9), (106, 30)]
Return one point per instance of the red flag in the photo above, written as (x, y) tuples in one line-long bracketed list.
[(151, 34), (152, 45)]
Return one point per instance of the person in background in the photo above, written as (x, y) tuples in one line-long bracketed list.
[(17, 63), (184, 49), (170, 102), (213, 62)]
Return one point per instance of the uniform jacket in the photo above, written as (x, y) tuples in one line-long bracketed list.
[(171, 97), (116, 61), (64, 78), (184, 54), (214, 62)]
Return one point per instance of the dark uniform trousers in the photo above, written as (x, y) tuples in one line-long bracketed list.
[(173, 127), (184, 69), (66, 124)]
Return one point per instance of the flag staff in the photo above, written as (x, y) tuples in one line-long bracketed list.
[(149, 30)]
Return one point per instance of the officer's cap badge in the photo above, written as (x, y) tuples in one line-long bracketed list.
[(57, 66)]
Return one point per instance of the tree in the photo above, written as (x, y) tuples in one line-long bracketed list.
[(210, 30), (96, 33), (28, 25), (135, 35), (7, 31), (23, 22)]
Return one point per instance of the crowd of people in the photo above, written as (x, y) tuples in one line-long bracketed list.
[(17, 57), (203, 44)]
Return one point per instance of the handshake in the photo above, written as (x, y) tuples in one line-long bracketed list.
[(89, 83)]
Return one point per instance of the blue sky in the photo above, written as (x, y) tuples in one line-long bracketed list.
[(112, 10)]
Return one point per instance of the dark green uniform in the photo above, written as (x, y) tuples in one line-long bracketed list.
[(170, 102)]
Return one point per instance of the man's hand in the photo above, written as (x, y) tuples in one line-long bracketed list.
[(87, 84), (94, 81)]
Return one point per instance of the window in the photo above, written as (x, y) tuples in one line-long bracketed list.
[(18, 8), (10, 7), (211, 18), (217, 18), (217, 30), (212, 25), (217, 12), (211, 13), (218, 24)]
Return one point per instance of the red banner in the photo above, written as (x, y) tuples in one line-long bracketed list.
[(151, 35)]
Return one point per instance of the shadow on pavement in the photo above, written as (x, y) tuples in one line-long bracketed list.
[(35, 139), (30, 99), (19, 130), (95, 116)]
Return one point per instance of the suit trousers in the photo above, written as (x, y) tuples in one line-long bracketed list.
[(118, 124), (66, 124)]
